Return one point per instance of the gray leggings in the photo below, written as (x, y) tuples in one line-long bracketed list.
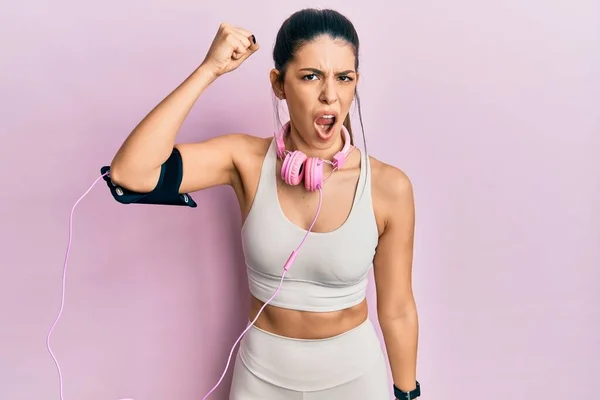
[(344, 367)]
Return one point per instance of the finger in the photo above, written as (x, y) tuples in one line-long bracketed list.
[(243, 32), (247, 54), (238, 47), (246, 41), (250, 36), (254, 46), (251, 49)]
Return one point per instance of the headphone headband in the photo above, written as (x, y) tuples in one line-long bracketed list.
[(338, 159)]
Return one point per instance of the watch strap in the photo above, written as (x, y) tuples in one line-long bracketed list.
[(413, 394)]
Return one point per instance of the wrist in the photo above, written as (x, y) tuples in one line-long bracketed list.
[(198, 81), (408, 394), (207, 71)]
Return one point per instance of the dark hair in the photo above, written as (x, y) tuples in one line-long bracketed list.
[(306, 25)]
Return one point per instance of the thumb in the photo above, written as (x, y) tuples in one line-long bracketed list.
[(251, 50), (253, 44)]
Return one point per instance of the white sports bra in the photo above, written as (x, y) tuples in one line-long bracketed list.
[(331, 270)]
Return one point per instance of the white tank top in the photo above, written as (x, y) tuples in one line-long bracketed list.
[(331, 269)]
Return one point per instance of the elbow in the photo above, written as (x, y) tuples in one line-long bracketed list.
[(407, 323), (117, 176), (391, 315), (120, 176)]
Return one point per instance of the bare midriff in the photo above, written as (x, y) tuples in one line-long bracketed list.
[(307, 324)]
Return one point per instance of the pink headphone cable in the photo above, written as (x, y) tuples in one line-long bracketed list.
[(64, 278), (285, 268)]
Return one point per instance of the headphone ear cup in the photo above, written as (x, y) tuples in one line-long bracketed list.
[(292, 169), (313, 176)]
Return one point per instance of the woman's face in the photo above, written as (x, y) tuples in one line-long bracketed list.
[(319, 88)]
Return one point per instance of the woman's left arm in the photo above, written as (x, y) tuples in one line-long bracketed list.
[(396, 307)]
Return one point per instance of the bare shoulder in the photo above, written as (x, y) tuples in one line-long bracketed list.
[(246, 152), (392, 192), (255, 143), (246, 147)]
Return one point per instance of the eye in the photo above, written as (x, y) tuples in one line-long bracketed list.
[(307, 77), (346, 78)]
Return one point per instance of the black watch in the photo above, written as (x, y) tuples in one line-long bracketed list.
[(413, 394)]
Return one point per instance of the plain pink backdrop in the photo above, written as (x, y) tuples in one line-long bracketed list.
[(492, 109)]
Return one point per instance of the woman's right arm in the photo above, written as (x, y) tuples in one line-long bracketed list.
[(137, 164)]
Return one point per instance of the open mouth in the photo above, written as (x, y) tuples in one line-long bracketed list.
[(325, 125)]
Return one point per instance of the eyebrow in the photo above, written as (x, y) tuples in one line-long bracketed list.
[(318, 71)]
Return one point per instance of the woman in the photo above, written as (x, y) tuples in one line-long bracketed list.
[(314, 339)]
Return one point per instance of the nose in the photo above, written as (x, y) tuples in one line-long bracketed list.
[(328, 92)]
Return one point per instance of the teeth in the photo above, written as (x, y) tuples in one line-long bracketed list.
[(328, 116)]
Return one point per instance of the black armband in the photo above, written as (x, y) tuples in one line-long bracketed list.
[(166, 191)]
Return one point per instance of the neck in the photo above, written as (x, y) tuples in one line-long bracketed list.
[(294, 141)]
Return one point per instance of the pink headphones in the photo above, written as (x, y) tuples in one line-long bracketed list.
[(298, 167)]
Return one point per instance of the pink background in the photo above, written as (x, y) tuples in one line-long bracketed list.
[(492, 109)]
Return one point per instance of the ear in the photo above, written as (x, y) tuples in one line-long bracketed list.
[(277, 84)]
